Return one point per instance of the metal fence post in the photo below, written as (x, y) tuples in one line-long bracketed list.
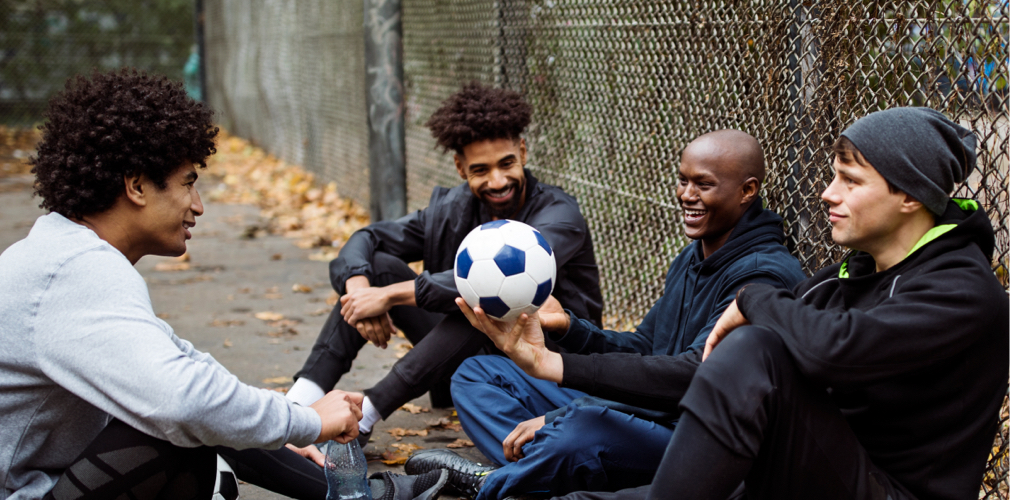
[(384, 99)]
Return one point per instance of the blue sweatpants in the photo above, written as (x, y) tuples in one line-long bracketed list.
[(588, 448)]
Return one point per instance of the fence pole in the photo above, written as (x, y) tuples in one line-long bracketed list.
[(384, 99), (201, 49)]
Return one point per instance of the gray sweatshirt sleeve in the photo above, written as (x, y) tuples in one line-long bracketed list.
[(97, 336)]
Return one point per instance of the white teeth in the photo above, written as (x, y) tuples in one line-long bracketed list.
[(694, 213)]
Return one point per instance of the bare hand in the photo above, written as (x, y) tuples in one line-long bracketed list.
[(553, 317), (340, 412), (362, 303), (522, 434), (730, 320), (310, 452), (522, 341), (377, 330)]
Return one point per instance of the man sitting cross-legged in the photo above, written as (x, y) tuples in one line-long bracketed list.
[(483, 126), (560, 439), (879, 377)]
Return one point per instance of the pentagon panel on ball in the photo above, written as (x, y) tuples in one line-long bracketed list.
[(505, 267)]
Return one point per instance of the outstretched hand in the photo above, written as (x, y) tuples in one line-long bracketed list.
[(522, 341), (730, 320)]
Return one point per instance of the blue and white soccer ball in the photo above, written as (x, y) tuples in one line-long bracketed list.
[(505, 267)]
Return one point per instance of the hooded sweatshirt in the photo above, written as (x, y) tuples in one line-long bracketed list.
[(697, 290), (915, 356)]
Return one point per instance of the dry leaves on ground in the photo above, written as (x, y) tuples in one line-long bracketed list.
[(445, 423), (16, 145), (227, 322), (460, 443), (400, 456), (288, 196), (402, 348), (269, 316), (278, 380), (399, 432), (414, 409), (299, 288)]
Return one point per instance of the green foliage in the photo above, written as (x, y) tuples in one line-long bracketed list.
[(45, 42)]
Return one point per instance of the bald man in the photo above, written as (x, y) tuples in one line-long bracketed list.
[(557, 440)]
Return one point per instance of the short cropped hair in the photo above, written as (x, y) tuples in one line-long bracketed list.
[(113, 125), (478, 113), (848, 153)]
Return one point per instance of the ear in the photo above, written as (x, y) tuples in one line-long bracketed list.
[(460, 169), (135, 191), (749, 189), (909, 204), (522, 151)]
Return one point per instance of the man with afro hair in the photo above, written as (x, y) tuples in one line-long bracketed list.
[(483, 126), (98, 396)]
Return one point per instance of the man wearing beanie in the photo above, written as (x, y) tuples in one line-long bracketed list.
[(879, 377)]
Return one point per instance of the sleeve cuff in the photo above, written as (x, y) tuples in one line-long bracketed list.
[(578, 372), (305, 425)]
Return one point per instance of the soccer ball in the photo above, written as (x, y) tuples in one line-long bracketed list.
[(505, 267)]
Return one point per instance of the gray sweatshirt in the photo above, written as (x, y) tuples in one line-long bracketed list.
[(80, 344)]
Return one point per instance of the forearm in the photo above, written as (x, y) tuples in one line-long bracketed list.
[(401, 294), (654, 382)]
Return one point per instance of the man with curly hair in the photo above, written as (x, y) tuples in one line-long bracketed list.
[(98, 396), (483, 126)]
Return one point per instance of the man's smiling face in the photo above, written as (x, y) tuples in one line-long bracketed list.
[(494, 170), (709, 195)]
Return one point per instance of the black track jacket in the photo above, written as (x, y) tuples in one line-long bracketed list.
[(434, 233)]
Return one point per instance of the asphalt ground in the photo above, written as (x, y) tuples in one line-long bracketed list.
[(236, 271)]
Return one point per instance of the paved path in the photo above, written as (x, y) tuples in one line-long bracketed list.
[(231, 278)]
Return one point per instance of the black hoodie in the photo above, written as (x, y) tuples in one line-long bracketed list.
[(915, 356)]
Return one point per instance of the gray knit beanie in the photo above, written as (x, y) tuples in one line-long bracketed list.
[(918, 150)]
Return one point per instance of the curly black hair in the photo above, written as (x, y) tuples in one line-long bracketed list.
[(117, 124), (478, 113)]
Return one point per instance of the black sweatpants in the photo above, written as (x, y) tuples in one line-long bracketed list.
[(441, 343), (122, 462), (751, 416)]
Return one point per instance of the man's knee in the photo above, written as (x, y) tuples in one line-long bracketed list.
[(388, 269), (746, 350), (478, 369)]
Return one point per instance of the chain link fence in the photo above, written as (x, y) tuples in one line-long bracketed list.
[(290, 76), (43, 43), (619, 89)]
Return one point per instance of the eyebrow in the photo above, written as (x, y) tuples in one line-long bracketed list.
[(510, 156)]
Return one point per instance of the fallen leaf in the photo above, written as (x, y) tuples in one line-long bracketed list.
[(414, 409), (399, 432), (227, 322), (445, 423), (166, 267), (332, 299), (407, 447), (278, 380), (299, 288), (460, 443), (276, 256), (269, 316), (320, 312), (393, 458), (272, 296), (227, 343), (163, 315)]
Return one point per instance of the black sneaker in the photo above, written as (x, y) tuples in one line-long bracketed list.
[(390, 486), (465, 476)]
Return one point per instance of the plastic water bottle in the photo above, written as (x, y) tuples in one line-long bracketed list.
[(346, 472)]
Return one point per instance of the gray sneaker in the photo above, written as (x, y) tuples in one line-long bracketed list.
[(390, 486)]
